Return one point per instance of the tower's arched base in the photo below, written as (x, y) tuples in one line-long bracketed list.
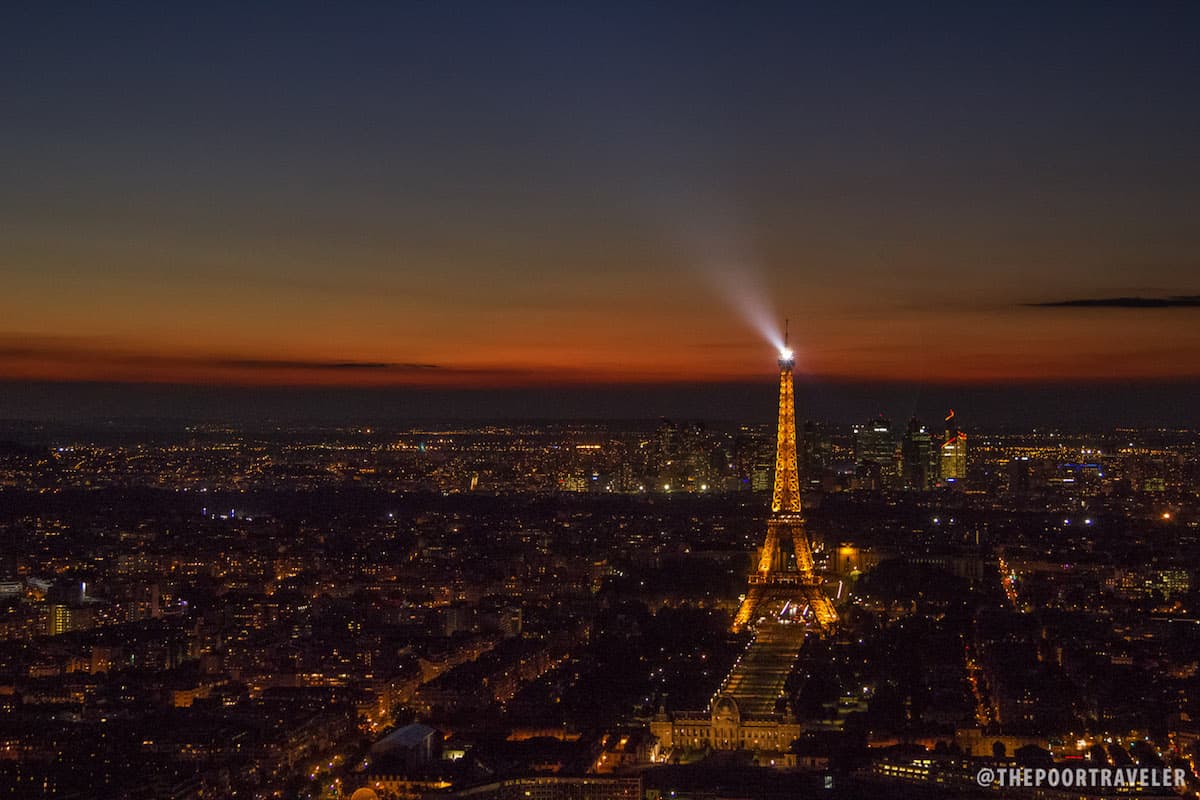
[(775, 601)]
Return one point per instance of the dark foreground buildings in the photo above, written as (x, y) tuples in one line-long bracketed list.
[(228, 612)]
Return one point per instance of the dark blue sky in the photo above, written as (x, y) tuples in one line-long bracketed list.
[(495, 194)]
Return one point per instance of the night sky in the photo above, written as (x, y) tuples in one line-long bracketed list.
[(509, 195)]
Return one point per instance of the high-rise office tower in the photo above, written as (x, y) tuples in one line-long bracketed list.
[(920, 457), (815, 452), (954, 452), (875, 451)]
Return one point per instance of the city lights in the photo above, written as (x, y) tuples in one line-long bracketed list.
[(398, 403)]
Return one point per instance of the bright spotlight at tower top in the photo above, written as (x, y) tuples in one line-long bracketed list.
[(787, 358)]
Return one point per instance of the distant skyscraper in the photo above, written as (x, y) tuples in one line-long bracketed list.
[(695, 457), (815, 449), (919, 457), (752, 460), (666, 469), (760, 477), (875, 450), (954, 452)]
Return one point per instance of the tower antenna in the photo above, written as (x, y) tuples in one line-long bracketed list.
[(786, 321)]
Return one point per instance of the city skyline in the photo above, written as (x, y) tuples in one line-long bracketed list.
[(343, 611), (599, 401), (478, 197)]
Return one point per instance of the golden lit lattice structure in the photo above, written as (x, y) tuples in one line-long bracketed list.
[(784, 579)]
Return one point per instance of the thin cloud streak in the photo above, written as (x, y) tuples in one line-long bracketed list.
[(1173, 301), (253, 363)]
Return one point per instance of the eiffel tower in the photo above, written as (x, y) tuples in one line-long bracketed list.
[(783, 587)]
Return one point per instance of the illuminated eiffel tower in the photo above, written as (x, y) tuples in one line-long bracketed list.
[(783, 587)]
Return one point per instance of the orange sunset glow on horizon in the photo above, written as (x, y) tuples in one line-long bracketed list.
[(470, 210), (1020, 344)]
